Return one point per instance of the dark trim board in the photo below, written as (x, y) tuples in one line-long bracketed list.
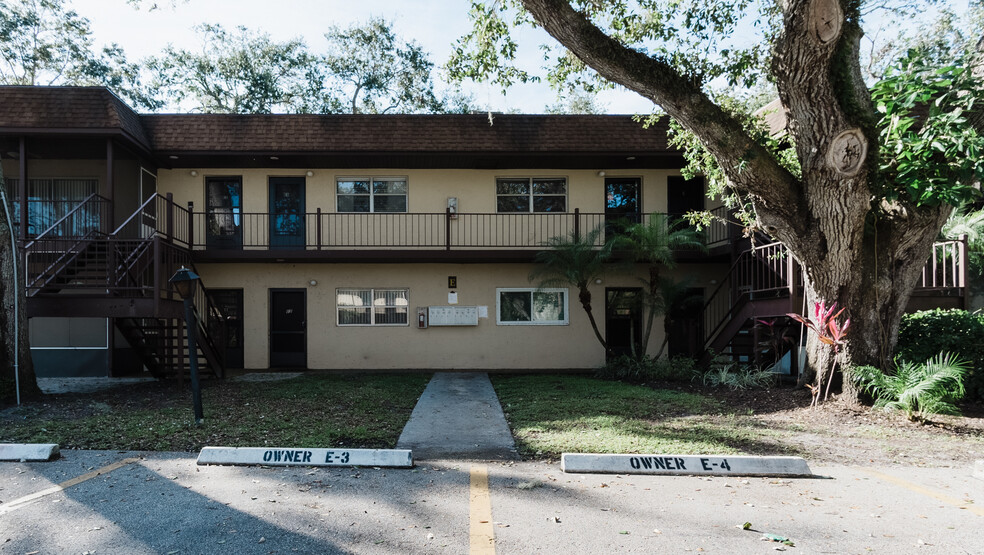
[(101, 307), (71, 363)]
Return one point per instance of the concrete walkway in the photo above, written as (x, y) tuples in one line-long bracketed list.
[(458, 417)]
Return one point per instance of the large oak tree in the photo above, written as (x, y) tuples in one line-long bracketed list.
[(858, 216)]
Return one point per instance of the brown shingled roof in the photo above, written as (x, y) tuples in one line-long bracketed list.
[(96, 110), (401, 133), (68, 109)]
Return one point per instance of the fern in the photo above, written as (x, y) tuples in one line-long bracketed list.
[(932, 387)]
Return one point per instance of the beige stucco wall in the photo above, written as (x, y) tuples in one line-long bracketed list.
[(428, 189), (486, 346)]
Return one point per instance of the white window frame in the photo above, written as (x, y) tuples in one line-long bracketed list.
[(531, 195), (372, 312), (372, 195), (532, 291)]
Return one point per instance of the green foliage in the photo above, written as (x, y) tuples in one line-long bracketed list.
[(700, 161), (930, 153), (707, 41), (924, 334), (42, 42), (237, 72), (971, 224), (365, 69), (576, 260), (726, 373), (375, 72), (932, 387), (655, 242), (577, 102), (648, 369)]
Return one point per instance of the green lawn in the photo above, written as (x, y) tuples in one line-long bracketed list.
[(315, 410), (552, 414)]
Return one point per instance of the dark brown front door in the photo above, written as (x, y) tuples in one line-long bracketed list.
[(288, 322), (623, 320), (230, 302)]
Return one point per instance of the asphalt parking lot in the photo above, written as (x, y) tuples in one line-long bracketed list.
[(124, 502)]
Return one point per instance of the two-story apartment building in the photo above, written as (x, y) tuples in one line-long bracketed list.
[(355, 242)]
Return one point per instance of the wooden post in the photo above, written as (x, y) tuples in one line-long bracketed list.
[(191, 225), (317, 225), (447, 229), (22, 188), (169, 217), (110, 184), (577, 224), (964, 267), (157, 275)]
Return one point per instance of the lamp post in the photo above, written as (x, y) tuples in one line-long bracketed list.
[(185, 282)]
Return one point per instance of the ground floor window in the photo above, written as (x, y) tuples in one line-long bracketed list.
[(530, 306), (372, 307)]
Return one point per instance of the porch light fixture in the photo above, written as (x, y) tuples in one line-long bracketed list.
[(313, 283), (193, 173), (601, 174), (309, 173), (185, 283)]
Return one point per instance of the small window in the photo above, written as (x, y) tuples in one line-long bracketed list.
[(546, 307), (371, 194), (372, 307), (526, 194)]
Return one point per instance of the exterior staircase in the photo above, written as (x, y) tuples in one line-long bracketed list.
[(745, 318), (123, 275)]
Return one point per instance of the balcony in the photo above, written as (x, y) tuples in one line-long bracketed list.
[(246, 236)]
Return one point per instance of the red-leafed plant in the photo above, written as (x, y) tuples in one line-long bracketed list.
[(830, 332)]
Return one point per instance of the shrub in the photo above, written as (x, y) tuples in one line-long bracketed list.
[(724, 373), (648, 369), (932, 387), (924, 334)]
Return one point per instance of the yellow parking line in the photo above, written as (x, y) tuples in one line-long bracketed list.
[(979, 511), (481, 537), (18, 503)]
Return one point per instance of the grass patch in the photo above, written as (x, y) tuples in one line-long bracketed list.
[(315, 410), (553, 414)]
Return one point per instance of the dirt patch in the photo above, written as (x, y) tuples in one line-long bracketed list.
[(839, 433)]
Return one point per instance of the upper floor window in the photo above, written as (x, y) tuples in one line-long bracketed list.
[(531, 194), (371, 194)]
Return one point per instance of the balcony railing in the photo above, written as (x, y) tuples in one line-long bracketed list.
[(425, 231)]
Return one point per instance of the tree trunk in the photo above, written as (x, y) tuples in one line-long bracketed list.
[(875, 289), (10, 319), (584, 296), (866, 258)]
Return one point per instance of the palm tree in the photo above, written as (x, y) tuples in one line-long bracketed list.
[(655, 242), (576, 260)]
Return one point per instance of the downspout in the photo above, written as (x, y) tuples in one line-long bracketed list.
[(13, 251)]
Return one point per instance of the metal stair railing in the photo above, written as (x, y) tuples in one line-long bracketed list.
[(764, 270)]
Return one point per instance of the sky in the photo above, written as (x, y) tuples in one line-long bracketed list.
[(434, 24)]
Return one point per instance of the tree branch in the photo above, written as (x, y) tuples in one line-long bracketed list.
[(749, 166)]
